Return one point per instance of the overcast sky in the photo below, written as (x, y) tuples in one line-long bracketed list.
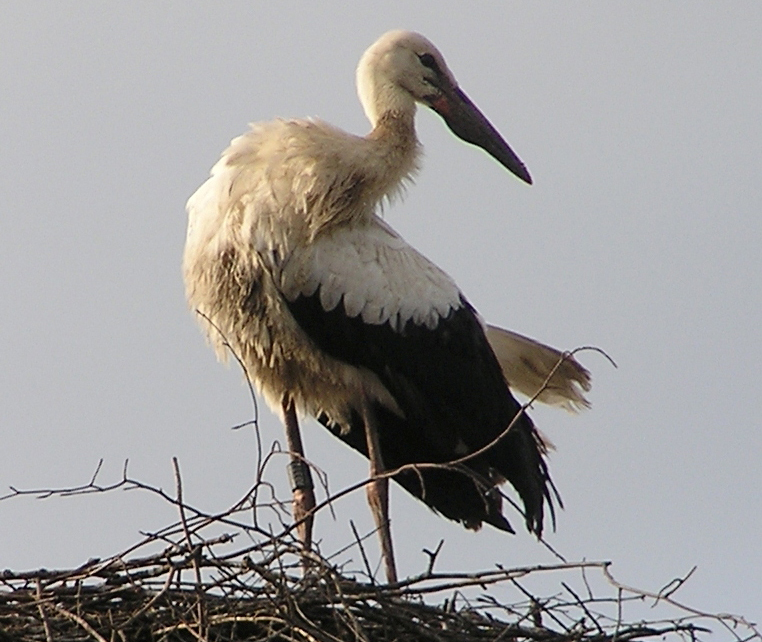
[(640, 124)]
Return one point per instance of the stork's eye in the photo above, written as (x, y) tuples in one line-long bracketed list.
[(427, 60)]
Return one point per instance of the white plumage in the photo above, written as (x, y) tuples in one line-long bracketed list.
[(336, 316)]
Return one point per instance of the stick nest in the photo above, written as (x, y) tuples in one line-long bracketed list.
[(146, 599), (241, 575)]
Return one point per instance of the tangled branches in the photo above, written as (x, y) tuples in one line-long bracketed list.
[(235, 575), (223, 577)]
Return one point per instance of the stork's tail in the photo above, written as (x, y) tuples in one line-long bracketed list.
[(526, 364)]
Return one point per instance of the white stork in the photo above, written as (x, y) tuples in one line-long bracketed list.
[(334, 315)]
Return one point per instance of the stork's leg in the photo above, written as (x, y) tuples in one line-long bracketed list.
[(299, 474), (378, 496)]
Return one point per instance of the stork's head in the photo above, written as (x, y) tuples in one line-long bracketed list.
[(403, 68)]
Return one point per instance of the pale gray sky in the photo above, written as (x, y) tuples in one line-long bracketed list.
[(640, 124)]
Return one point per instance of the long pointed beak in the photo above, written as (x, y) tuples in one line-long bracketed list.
[(469, 124)]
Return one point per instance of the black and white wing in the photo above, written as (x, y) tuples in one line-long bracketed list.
[(366, 298)]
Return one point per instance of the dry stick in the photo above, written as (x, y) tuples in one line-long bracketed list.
[(433, 556), (220, 518), (356, 627), (91, 487), (362, 552), (678, 582), (461, 580), (618, 614), (119, 632), (81, 621), (193, 551), (722, 618), (50, 576), (253, 396), (309, 624), (43, 615), (190, 630), (151, 602), (550, 548), (537, 608), (582, 605), (587, 584), (346, 547), (45, 493), (252, 393)]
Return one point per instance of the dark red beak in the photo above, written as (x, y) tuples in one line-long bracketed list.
[(469, 124)]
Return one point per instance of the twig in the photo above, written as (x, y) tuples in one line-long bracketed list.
[(194, 552), (433, 556), (673, 586), (583, 606), (371, 578), (81, 621), (249, 383), (43, 615)]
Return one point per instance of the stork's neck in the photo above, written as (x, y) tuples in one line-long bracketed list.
[(372, 169), (395, 149), (394, 125)]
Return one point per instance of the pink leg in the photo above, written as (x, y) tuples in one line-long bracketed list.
[(378, 497), (299, 473)]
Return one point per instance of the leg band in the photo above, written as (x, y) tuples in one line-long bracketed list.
[(299, 475)]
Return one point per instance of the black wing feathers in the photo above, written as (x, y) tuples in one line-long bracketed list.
[(455, 401)]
